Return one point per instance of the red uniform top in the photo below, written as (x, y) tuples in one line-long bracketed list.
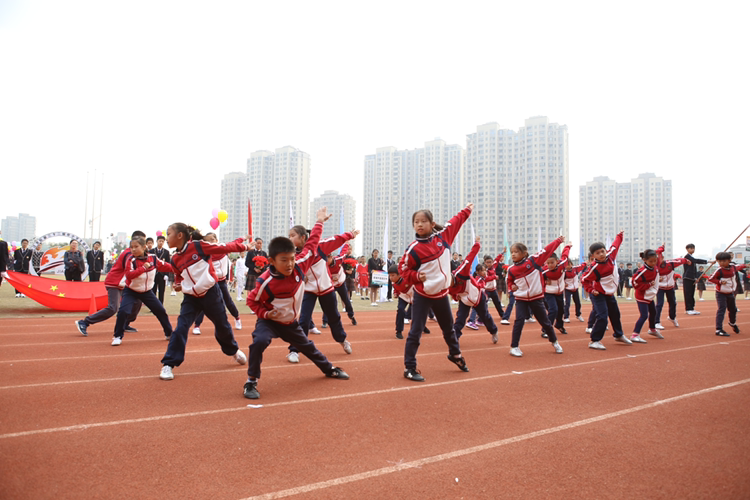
[(726, 279), (490, 279), (465, 287), (527, 274), (137, 277), (666, 270), (432, 255), (116, 276), (646, 283), (404, 291), (274, 291), (192, 265), (554, 280), (602, 276), (318, 279), (571, 277)]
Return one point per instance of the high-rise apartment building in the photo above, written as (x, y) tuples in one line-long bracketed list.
[(18, 228), (641, 207), (276, 183), (338, 204), (400, 182), (519, 180)]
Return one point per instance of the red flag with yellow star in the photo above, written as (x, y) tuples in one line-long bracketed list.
[(59, 294)]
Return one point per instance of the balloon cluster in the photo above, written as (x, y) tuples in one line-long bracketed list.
[(218, 218), (14, 245)]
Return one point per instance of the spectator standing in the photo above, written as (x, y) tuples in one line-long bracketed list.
[(95, 260), (74, 265)]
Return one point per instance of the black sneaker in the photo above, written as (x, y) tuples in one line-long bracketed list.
[(354, 321), (735, 328), (338, 373), (426, 330), (562, 330), (81, 325), (130, 329), (324, 325), (251, 390), (544, 334), (399, 335), (722, 333), (459, 362), (413, 374)]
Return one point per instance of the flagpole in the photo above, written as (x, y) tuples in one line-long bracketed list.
[(101, 204), (727, 248), (86, 207)]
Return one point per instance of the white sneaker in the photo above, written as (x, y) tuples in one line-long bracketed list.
[(347, 346), (173, 294), (515, 351), (454, 302), (597, 345), (557, 347), (407, 321), (116, 341), (635, 338), (659, 327), (240, 357), (252, 312), (315, 330), (374, 304), (196, 331), (18, 295), (696, 313), (589, 330), (629, 298), (656, 334), (566, 320), (580, 318), (674, 322), (293, 357), (504, 322), (702, 299), (23, 296), (166, 373), (532, 320), (238, 324), (494, 338), (623, 339)]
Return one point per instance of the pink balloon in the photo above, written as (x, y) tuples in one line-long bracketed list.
[(158, 233), (214, 223), (215, 213)]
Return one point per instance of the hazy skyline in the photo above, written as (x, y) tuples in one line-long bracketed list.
[(167, 97)]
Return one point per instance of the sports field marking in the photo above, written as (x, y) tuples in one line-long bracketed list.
[(80, 427), (488, 446)]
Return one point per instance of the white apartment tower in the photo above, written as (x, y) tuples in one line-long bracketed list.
[(274, 181), (234, 193), (519, 180), (18, 228), (400, 182), (339, 205), (642, 207)]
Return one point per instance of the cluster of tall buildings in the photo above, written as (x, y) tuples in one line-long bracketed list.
[(518, 180), (17, 228)]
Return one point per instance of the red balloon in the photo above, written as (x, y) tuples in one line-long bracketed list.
[(214, 223)]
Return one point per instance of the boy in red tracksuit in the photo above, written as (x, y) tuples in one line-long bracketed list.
[(114, 284), (646, 284), (601, 282), (667, 286), (277, 301), (469, 294), (553, 274), (572, 283), (338, 277), (725, 279), (526, 282), (489, 279)]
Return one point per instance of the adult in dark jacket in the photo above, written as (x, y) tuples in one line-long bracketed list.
[(252, 271), (74, 264), (374, 264), (689, 276), (22, 260), (95, 260), (4, 259), (160, 280)]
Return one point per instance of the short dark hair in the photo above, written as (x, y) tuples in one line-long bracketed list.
[(24, 240), (480, 267), (630, 264), (487, 257), (393, 269), (596, 246), (259, 239), (280, 244), (137, 233), (647, 254), (723, 256), (149, 239), (689, 246), (159, 238), (99, 242), (390, 251)]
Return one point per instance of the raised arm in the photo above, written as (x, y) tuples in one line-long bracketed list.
[(464, 270), (237, 245), (306, 257), (453, 226), (328, 245), (541, 257), (612, 254)]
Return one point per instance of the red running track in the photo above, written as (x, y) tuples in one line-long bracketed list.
[(83, 419)]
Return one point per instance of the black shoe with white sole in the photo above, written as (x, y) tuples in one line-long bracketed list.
[(459, 362), (338, 373), (251, 390), (735, 328), (413, 374)]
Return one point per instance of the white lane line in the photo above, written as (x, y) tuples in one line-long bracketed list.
[(410, 387), (487, 446)]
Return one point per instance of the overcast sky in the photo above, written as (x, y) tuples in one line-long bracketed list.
[(165, 97)]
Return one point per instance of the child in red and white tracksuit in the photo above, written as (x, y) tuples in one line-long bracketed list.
[(526, 282), (646, 284), (405, 296), (667, 286), (221, 268), (572, 283), (489, 280), (196, 278), (725, 279), (553, 274)]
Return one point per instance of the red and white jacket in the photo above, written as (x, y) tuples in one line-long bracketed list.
[(432, 256), (554, 279), (274, 291), (318, 278), (725, 279), (571, 277), (646, 284), (193, 269), (221, 266), (137, 277), (603, 276), (527, 274), (338, 276), (490, 280), (465, 287), (116, 276), (666, 270), (404, 291)]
